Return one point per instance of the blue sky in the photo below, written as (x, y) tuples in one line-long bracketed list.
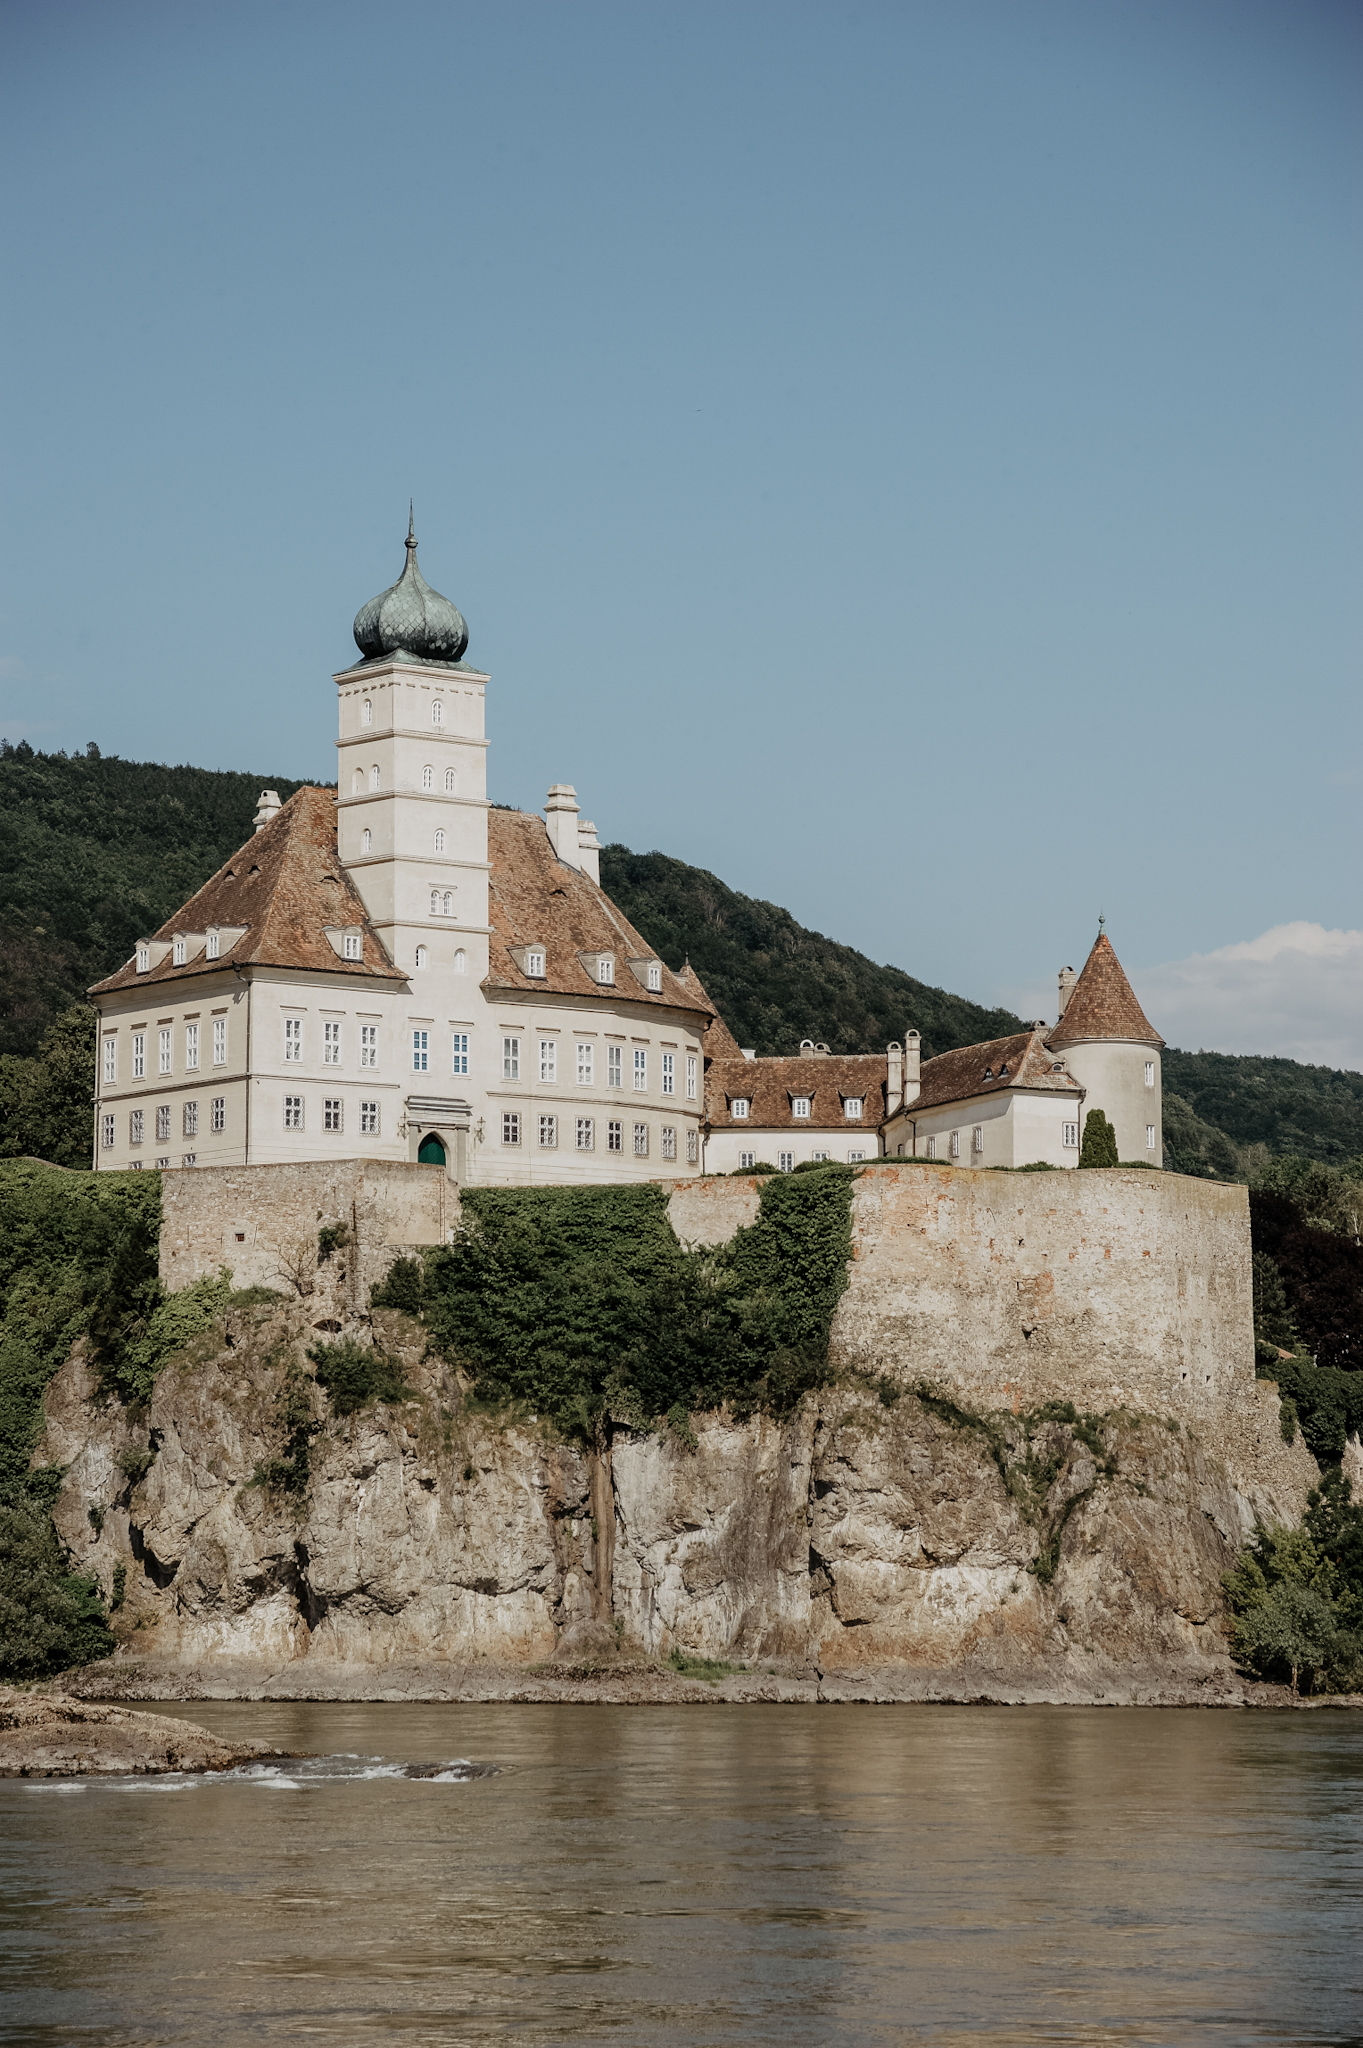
[(904, 458)]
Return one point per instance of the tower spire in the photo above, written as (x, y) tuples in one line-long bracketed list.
[(411, 529)]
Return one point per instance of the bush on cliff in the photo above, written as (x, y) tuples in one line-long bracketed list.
[(1296, 1596), (580, 1304)]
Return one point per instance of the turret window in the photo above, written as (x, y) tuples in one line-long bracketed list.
[(1150, 1137), (440, 842), (1150, 1073)]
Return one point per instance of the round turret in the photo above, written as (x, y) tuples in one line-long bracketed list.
[(412, 619)]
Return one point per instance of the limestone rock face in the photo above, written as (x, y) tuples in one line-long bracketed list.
[(871, 1532)]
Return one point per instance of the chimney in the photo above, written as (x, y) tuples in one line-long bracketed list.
[(589, 850), (560, 815), (268, 805), (912, 1047), (1068, 978), (894, 1079)]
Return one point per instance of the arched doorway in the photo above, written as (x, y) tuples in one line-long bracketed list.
[(431, 1151)]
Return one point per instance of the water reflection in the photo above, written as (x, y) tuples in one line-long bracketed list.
[(640, 1875)]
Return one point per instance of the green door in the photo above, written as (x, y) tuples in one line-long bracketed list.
[(431, 1152)]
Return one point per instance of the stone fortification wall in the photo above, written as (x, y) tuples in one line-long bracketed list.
[(262, 1221)]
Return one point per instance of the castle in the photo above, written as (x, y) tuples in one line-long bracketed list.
[(400, 971)]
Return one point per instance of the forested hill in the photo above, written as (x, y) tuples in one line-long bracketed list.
[(775, 983), (94, 853)]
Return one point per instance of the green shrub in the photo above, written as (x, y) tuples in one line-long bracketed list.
[(356, 1374), (400, 1288), (50, 1617), (759, 1166), (1296, 1595), (1100, 1141), (332, 1237)]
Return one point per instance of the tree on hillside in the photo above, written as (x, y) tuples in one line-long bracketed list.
[(47, 1103), (1100, 1141)]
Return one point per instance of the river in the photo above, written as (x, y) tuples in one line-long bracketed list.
[(640, 1875)]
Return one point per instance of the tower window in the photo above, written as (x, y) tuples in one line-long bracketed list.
[(449, 782), (374, 776), (435, 903), (367, 712), (447, 904), (352, 946), (422, 957), (357, 782), (366, 841), (428, 778), (437, 711), (1150, 1073), (439, 842), (1150, 1137), (461, 961)]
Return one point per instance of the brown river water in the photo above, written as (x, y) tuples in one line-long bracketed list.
[(689, 1875)]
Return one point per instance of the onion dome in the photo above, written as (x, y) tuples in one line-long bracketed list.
[(410, 618)]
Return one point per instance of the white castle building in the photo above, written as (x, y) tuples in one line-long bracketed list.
[(399, 970)]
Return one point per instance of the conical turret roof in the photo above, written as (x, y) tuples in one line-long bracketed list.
[(1103, 1004)]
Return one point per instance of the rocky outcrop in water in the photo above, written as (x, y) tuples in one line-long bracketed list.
[(47, 1735), (875, 1544)]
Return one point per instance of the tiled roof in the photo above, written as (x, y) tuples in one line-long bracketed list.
[(1022, 1061), (769, 1086), (720, 1043), (1103, 1003), (286, 885), (535, 899)]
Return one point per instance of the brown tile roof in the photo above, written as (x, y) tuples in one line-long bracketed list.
[(954, 1076), (1103, 1003), (285, 885), (720, 1043), (770, 1084), (535, 899)]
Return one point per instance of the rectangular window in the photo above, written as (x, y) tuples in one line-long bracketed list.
[(785, 1162), (605, 970), (614, 1063), (164, 1162), (191, 1159), (1150, 1137), (690, 1077), (692, 1147), (1150, 1073), (738, 1108), (136, 1165), (331, 1043), (139, 1055), (459, 1052), (977, 1138), (669, 1074), (369, 1119), (549, 1132), (511, 1128), (799, 1105), (352, 946), (851, 1107), (586, 1134), (932, 1148), (110, 1061), (955, 1145), (641, 1141), (511, 1061), (293, 1038), (135, 1127), (534, 965), (669, 1141), (190, 1121), (369, 1045), (421, 1051), (1069, 1134), (331, 1113), (162, 1121), (143, 959), (586, 1065), (293, 1112), (548, 1059), (220, 1041), (855, 1158), (821, 1157), (640, 1067), (213, 946), (106, 1132), (746, 1159), (191, 1048), (219, 1115), (163, 1052), (615, 1136)]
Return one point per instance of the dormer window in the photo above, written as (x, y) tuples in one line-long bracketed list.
[(738, 1109), (605, 969), (852, 1107), (213, 946), (655, 976), (367, 713), (178, 954), (1003, 1071), (800, 1105), (352, 946), (534, 963), (143, 959)]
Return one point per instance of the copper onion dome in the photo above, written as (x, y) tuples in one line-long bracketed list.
[(410, 618)]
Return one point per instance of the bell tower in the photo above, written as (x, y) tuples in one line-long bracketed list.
[(412, 788)]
